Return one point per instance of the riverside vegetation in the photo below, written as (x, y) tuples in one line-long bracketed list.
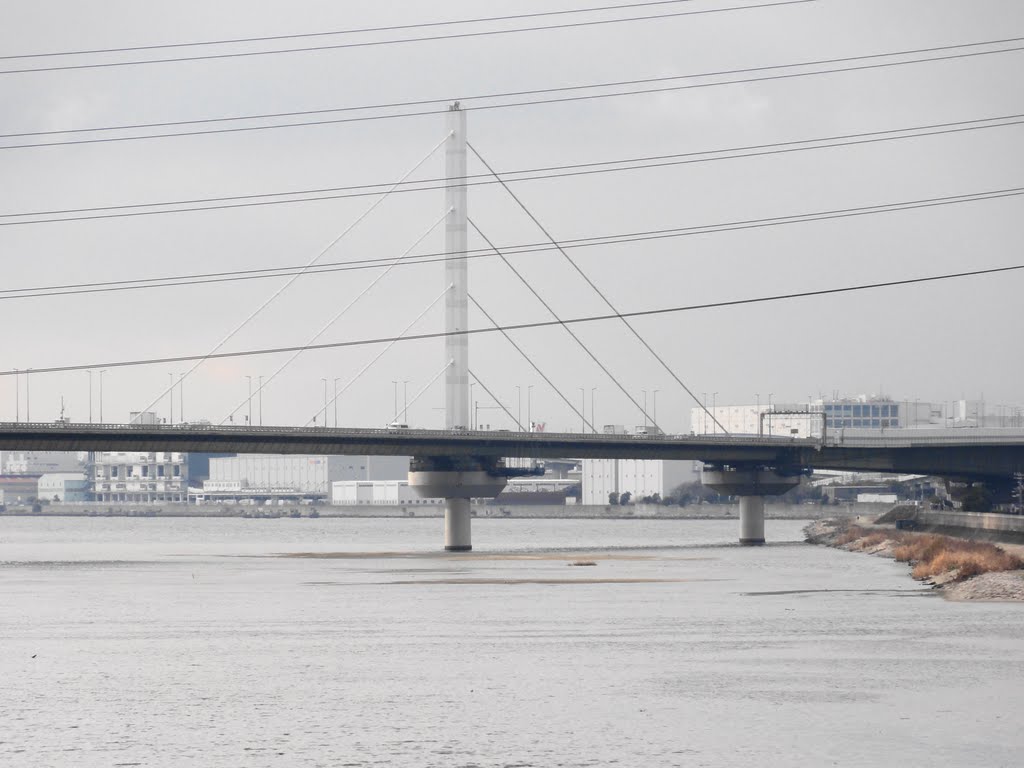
[(963, 569)]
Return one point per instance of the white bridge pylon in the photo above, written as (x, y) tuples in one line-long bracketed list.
[(457, 481)]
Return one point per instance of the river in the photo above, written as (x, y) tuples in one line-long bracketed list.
[(173, 642)]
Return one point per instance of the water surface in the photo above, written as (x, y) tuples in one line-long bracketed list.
[(164, 642)]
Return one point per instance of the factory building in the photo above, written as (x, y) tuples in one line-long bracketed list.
[(139, 477)]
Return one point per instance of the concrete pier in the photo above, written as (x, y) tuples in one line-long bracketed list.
[(751, 484), (751, 520), (457, 526)]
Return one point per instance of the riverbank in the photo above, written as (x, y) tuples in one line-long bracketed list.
[(775, 511), (960, 568)]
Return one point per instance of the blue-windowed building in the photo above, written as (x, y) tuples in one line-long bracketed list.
[(856, 414)]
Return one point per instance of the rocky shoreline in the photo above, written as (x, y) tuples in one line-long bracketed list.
[(935, 560)]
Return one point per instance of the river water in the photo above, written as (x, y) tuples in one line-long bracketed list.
[(173, 642)]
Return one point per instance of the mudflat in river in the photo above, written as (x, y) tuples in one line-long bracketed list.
[(227, 642)]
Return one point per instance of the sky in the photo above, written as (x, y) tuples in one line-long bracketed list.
[(936, 341)]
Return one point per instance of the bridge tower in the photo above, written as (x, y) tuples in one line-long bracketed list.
[(457, 480)]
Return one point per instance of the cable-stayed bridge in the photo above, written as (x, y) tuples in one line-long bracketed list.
[(459, 463)]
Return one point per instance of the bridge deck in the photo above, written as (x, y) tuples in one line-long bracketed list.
[(973, 452)]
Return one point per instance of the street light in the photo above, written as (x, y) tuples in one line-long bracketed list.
[(170, 419), (405, 401), (261, 400), (324, 380), (704, 408), (654, 406), (335, 403), (90, 396), (101, 394), (529, 403), (593, 423), (17, 396), (181, 397), (249, 401), (28, 402), (519, 408), (770, 410), (645, 407), (583, 409), (714, 413)]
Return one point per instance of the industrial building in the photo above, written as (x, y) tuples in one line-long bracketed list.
[(67, 487), (807, 418), (638, 477), (139, 477)]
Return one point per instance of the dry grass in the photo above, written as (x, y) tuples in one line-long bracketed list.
[(932, 555)]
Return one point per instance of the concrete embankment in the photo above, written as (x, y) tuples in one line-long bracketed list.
[(510, 511), (986, 526), (964, 569)]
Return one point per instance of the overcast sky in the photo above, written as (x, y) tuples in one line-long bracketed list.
[(933, 342)]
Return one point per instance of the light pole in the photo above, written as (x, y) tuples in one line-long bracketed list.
[(90, 395), (28, 401), (249, 400), (519, 408), (704, 403), (395, 419), (405, 401), (593, 424), (170, 419), (654, 405), (769, 411), (261, 400), (529, 403), (101, 394), (645, 407), (181, 397), (17, 396), (336, 403), (583, 409), (714, 413), (324, 380)]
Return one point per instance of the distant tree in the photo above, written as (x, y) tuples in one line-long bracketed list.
[(624, 499), (613, 499)]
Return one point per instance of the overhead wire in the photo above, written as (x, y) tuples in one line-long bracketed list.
[(554, 314), (525, 325), (542, 173), (521, 249), (343, 311), (399, 41), (273, 297), (352, 31), (579, 270), (380, 354), (526, 103)]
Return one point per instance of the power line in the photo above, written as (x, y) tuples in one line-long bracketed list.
[(354, 31), (598, 291), (399, 41), (526, 326), (533, 174), (512, 94), (514, 250)]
